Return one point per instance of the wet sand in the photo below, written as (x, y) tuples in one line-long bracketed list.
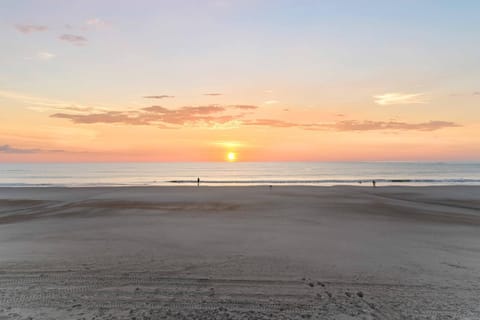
[(240, 253)]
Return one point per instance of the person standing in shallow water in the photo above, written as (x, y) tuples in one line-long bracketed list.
[(198, 182), (374, 183)]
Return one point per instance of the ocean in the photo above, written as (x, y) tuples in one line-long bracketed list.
[(239, 173)]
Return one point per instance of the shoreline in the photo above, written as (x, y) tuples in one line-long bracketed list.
[(192, 185)]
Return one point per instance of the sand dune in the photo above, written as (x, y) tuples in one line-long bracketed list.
[(240, 253)]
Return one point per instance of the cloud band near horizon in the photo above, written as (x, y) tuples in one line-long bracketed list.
[(217, 115)]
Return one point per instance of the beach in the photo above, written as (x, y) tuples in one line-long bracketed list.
[(253, 252)]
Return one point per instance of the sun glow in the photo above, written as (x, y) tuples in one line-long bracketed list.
[(231, 156)]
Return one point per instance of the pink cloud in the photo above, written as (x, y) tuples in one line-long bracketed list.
[(73, 39), (158, 115), (29, 28), (163, 96), (217, 114)]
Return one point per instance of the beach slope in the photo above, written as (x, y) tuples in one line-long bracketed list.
[(240, 253)]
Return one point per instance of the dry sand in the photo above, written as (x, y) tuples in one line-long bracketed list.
[(240, 253)]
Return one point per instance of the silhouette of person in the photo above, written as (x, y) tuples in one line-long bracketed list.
[(374, 183), (198, 182)]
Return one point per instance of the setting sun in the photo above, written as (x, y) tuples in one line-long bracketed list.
[(232, 156)]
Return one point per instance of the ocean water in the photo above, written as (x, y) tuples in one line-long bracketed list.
[(239, 173)]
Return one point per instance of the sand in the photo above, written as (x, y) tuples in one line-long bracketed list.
[(240, 253)]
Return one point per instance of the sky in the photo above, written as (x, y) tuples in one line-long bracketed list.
[(271, 80)]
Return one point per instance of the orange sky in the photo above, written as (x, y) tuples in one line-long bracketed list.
[(268, 80), (255, 132)]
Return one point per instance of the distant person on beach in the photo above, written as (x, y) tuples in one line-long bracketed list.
[(198, 182), (374, 183)]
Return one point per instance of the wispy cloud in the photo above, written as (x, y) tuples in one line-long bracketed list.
[(210, 115), (13, 150), (163, 96), (368, 125), (95, 22), (213, 94), (73, 39), (41, 56), (41, 104), (73, 108), (273, 123), (30, 28), (187, 110), (44, 55), (355, 125), (271, 102), (476, 93), (400, 98), (238, 115)]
